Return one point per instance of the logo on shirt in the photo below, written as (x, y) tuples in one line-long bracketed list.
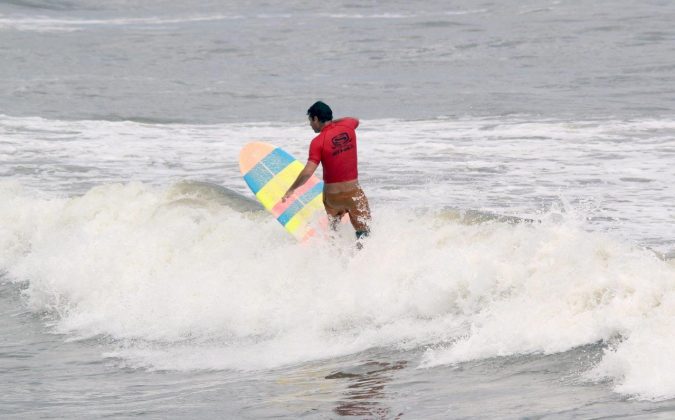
[(340, 140), (341, 143)]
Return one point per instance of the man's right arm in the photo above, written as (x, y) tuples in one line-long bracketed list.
[(303, 176)]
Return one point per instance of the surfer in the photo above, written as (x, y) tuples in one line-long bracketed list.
[(335, 148)]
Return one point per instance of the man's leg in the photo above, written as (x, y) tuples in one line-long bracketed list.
[(334, 215), (359, 214)]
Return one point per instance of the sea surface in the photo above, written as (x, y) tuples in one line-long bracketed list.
[(519, 158)]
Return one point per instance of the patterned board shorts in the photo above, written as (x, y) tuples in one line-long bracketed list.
[(354, 203)]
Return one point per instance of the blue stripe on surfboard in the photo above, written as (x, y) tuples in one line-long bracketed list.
[(294, 208), (267, 168)]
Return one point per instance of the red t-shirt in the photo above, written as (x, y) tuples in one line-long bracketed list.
[(335, 149)]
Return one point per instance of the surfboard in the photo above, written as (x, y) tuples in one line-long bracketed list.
[(269, 171)]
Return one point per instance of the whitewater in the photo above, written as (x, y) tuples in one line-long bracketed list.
[(177, 269)]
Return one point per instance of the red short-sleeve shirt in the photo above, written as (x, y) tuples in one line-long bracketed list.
[(335, 148)]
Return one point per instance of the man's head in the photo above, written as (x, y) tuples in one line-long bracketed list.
[(319, 114)]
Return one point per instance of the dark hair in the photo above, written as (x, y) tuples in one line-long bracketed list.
[(321, 111)]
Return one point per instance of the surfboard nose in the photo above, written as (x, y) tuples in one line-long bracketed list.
[(252, 153)]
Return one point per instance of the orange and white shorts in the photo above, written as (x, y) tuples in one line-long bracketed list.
[(354, 203)]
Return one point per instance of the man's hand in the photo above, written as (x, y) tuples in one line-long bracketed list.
[(286, 196), (303, 176)]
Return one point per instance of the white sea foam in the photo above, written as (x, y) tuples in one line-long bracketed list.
[(365, 16), (643, 364), (464, 12), (52, 24), (615, 173), (181, 281)]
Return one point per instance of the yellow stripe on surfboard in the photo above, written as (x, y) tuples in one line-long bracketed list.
[(304, 216), (271, 193)]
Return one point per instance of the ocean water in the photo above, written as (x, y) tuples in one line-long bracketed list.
[(518, 157)]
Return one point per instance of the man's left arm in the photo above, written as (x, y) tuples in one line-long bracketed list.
[(350, 121)]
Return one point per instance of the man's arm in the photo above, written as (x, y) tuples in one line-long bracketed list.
[(303, 176), (353, 122)]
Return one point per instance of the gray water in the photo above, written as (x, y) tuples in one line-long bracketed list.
[(214, 61), (126, 292)]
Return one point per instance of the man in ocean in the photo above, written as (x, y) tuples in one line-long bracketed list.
[(335, 148)]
